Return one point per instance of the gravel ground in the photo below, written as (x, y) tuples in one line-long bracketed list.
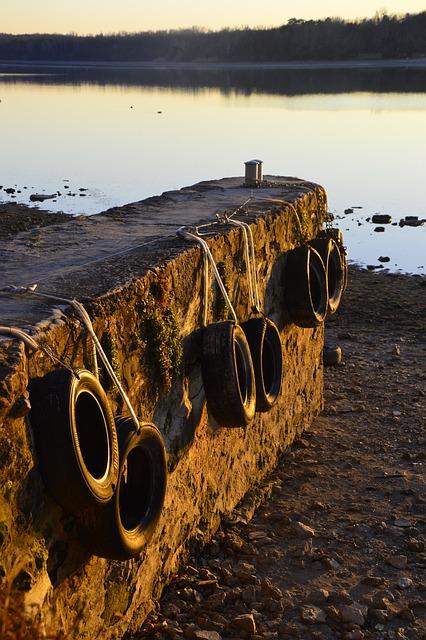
[(332, 545)]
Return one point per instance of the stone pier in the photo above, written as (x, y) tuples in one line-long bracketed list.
[(143, 287)]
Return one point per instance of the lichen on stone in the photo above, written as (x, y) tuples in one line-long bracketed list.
[(162, 344), (4, 530), (109, 345)]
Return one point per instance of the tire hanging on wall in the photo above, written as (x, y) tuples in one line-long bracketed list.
[(336, 234), (305, 287), (121, 529), (266, 351), (75, 438), (228, 376), (331, 257)]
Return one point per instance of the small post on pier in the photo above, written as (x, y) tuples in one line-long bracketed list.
[(254, 173)]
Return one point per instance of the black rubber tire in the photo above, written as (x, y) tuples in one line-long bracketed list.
[(336, 234), (332, 259), (344, 266), (228, 375), (75, 437), (266, 352), (121, 529), (305, 287)]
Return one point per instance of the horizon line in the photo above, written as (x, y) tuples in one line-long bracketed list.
[(203, 29)]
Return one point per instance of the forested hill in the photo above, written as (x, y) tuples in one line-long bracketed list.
[(331, 39)]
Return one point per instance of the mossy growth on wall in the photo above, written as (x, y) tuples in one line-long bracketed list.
[(109, 345), (159, 333), (301, 226), (303, 215)]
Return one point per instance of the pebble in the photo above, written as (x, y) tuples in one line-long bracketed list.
[(216, 601), (373, 581), (302, 530), (318, 596), (270, 589), (233, 542), (398, 562), (331, 356), (245, 622), (378, 615), (350, 613), (245, 572), (205, 635), (402, 522), (341, 596), (319, 506), (312, 615), (404, 582), (415, 545), (257, 535), (330, 563), (356, 634)]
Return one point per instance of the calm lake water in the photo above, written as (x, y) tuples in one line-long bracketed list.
[(125, 134)]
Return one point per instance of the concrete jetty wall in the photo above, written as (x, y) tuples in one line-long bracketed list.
[(155, 288)]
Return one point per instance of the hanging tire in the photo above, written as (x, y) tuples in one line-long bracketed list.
[(75, 438), (266, 352), (305, 287), (228, 375), (344, 260), (336, 234), (121, 529), (332, 259)]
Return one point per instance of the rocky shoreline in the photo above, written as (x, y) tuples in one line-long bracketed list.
[(333, 544), (15, 218)]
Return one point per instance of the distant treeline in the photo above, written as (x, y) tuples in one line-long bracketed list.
[(330, 39)]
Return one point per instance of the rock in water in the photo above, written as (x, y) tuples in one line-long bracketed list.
[(39, 197), (380, 218)]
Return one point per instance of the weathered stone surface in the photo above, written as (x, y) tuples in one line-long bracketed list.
[(245, 622), (211, 468), (352, 613)]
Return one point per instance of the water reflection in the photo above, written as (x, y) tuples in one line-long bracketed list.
[(128, 134), (246, 81)]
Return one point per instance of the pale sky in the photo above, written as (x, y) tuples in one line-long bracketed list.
[(95, 16)]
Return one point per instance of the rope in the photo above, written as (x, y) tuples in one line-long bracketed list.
[(236, 223), (85, 318), (293, 208), (187, 235), (206, 281), (18, 333), (80, 266), (251, 262), (32, 344)]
